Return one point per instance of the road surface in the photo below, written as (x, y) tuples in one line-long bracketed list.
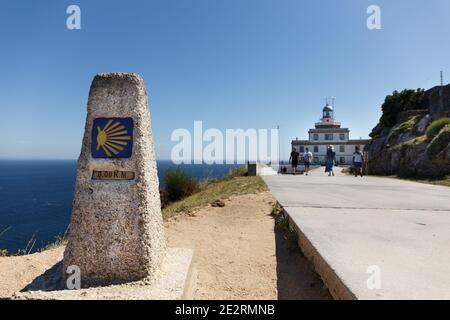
[(372, 237)]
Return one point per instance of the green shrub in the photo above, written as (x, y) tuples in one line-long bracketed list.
[(401, 101), (178, 184), (215, 190), (439, 142), (436, 126), (164, 196), (240, 171), (4, 252)]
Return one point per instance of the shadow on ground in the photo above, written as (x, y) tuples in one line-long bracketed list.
[(296, 278), (48, 281), (52, 280)]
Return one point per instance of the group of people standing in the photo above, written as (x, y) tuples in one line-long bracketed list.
[(307, 158), (330, 160)]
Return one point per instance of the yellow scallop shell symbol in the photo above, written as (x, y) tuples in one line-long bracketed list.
[(112, 138)]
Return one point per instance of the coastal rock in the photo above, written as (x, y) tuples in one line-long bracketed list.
[(422, 125), (402, 148), (218, 203)]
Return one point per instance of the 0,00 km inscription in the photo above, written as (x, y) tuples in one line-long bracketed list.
[(112, 175)]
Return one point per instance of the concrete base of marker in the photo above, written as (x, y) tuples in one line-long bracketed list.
[(175, 281)]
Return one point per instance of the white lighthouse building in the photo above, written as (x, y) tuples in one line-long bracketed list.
[(328, 131)]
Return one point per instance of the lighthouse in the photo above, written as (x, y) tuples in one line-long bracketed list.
[(329, 131)]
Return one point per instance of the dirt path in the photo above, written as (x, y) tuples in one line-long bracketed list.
[(17, 272), (239, 254)]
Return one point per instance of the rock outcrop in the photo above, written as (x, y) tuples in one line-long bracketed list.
[(403, 147)]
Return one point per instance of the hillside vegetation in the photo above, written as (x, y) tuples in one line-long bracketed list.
[(412, 139), (236, 183)]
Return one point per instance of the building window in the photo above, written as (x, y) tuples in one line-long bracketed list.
[(328, 136), (315, 136), (342, 159), (342, 136), (302, 149), (316, 149), (341, 148)]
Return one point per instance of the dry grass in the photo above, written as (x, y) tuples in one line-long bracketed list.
[(444, 181), (441, 181), (60, 240), (216, 190), (414, 141), (282, 222)]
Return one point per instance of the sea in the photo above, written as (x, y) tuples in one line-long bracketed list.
[(36, 198)]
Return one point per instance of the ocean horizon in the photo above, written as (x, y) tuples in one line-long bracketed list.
[(36, 198)]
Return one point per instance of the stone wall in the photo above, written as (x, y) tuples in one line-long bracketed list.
[(439, 99)]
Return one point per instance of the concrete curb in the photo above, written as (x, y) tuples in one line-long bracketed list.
[(338, 289), (190, 284)]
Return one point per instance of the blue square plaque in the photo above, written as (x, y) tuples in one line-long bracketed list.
[(112, 138)]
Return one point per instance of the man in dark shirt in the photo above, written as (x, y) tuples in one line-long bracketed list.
[(294, 160)]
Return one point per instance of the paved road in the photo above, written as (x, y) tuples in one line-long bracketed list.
[(400, 227)]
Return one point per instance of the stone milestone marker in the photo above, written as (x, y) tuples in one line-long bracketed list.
[(116, 231)]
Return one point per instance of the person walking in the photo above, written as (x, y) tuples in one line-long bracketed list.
[(329, 160), (307, 158), (358, 159), (294, 160)]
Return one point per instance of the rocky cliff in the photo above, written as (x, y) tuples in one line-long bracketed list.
[(404, 143)]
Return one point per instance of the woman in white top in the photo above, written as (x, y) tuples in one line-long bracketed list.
[(358, 159)]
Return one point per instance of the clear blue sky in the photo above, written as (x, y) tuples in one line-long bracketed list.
[(230, 63)]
